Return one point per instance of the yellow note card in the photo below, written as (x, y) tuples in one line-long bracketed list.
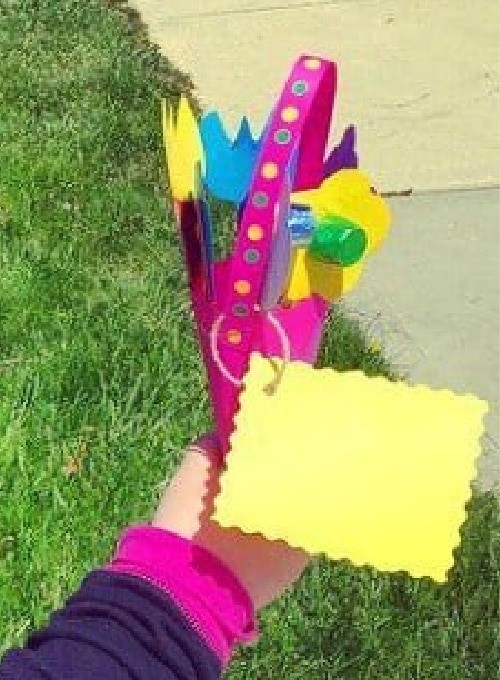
[(352, 466)]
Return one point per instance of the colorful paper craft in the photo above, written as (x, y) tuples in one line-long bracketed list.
[(354, 467), (351, 466), (246, 309), (313, 277)]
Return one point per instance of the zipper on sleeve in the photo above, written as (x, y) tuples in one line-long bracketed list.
[(132, 571)]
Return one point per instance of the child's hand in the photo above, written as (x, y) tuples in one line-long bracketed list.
[(265, 568)]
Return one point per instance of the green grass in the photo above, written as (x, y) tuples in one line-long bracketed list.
[(99, 368)]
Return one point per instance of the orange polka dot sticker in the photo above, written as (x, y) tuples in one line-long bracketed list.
[(242, 287), (234, 336), (269, 170), (290, 114), (255, 232), (312, 64)]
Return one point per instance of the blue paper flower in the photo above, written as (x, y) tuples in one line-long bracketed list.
[(228, 165)]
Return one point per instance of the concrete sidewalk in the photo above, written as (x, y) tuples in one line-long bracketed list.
[(431, 296), (421, 80)]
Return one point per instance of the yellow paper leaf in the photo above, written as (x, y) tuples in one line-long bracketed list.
[(184, 150), (354, 467)]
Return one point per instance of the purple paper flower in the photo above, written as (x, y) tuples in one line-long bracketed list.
[(344, 155)]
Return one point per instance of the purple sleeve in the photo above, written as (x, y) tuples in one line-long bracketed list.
[(115, 627), (163, 608)]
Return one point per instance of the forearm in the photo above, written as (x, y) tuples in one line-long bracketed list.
[(178, 617)]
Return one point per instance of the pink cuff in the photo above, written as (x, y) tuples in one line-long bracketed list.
[(206, 590)]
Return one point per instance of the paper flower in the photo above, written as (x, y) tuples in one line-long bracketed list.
[(344, 155), (347, 194), (229, 165)]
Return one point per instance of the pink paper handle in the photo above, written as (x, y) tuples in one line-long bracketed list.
[(300, 120), (294, 145)]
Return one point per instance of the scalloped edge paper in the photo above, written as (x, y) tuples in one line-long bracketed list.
[(353, 467)]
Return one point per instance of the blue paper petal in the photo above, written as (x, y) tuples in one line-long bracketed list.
[(228, 166), (244, 137)]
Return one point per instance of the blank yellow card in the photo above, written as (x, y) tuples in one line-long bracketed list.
[(353, 467)]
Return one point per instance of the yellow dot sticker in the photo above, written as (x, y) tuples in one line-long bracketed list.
[(312, 64), (290, 114), (255, 232), (242, 287), (269, 170), (234, 336)]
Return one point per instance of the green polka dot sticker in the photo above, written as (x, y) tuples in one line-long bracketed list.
[(260, 199), (283, 136), (240, 309), (252, 255), (299, 88)]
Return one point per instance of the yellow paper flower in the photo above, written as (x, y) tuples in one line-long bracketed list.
[(348, 194)]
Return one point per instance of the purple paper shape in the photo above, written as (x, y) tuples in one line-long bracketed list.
[(344, 155)]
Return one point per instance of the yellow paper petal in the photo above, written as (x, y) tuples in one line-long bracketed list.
[(309, 276), (353, 467), (348, 194), (184, 150)]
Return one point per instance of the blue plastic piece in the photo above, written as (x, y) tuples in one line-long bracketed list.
[(301, 224)]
